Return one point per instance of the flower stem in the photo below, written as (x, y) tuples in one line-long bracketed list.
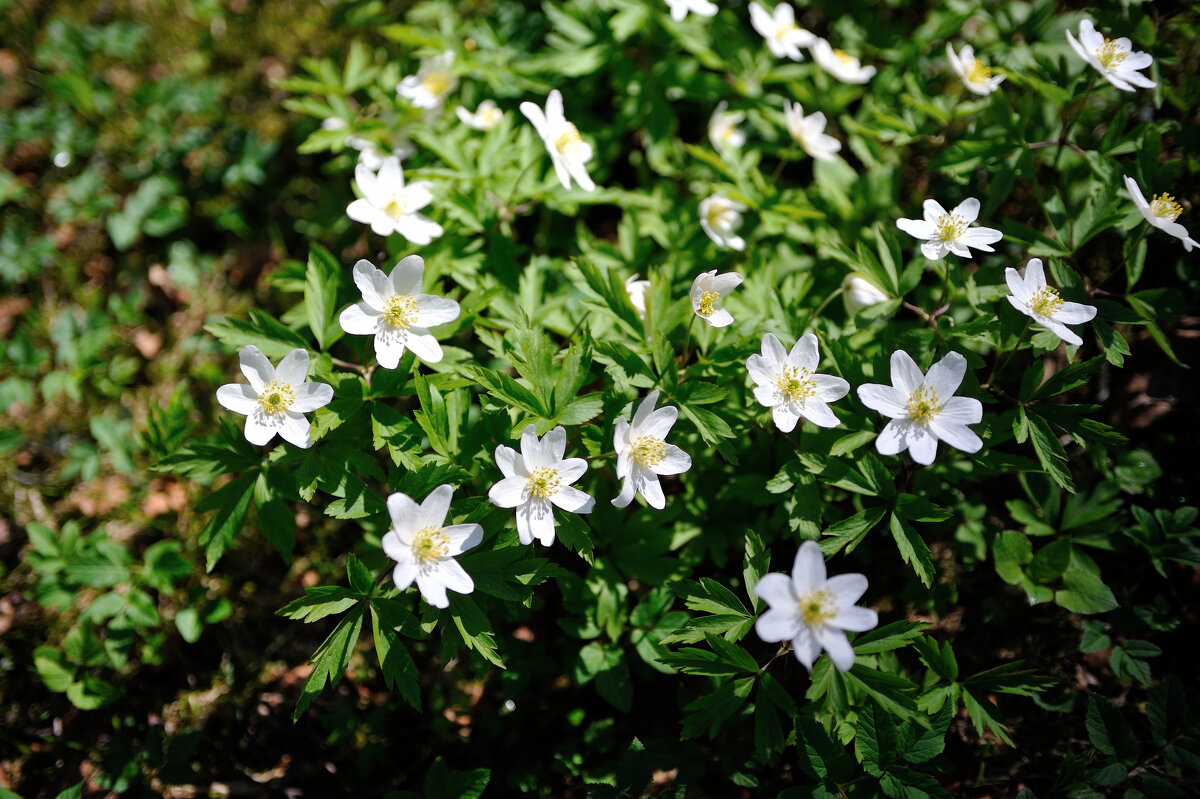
[(1001, 363), (812, 317)]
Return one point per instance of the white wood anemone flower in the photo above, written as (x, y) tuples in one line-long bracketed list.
[(643, 454), (723, 129), (859, 293), (568, 151), (680, 8), (1161, 212), (975, 75), (721, 217), (809, 132), (395, 313), (434, 80), (787, 383), (1115, 59), (389, 206), (537, 479), (708, 289), (839, 63), (637, 290), (277, 398), (813, 611), (945, 232), (487, 116), (923, 408), (424, 546), (1041, 303), (784, 37)]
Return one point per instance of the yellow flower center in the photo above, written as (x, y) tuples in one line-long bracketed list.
[(429, 545), (708, 300), (951, 226), (1045, 301), (544, 482), (782, 30), (1110, 54), (437, 82), (923, 404), (796, 384), (844, 57), (397, 206), (978, 73), (1164, 207), (400, 311), (648, 451), (817, 608), (568, 139), (276, 397)]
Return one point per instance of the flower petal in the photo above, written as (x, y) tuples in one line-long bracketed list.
[(237, 397), (255, 366), (776, 590), (956, 435), (310, 396), (885, 399), (435, 507), (423, 345), (296, 429), (462, 537), (434, 310), (660, 422), (906, 375), (359, 320), (675, 461), (846, 588), (946, 375), (404, 513), (808, 570), (855, 619), (652, 491), (572, 500), (777, 624), (509, 492), (839, 649), (293, 369)]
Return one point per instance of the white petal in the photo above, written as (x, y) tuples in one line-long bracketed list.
[(404, 573), (806, 647), (259, 430), (405, 278), (933, 212), (935, 250), (808, 570), (830, 388), (372, 283), (922, 444), (659, 422), (554, 444), (847, 588), (839, 649), (571, 469), (652, 492), (1074, 313), (777, 624), (423, 345), (509, 492), (539, 518), (359, 320), (435, 507), (885, 399), (968, 209), (719, 318), (675, 461), (776, 590), (644, 410), (310, 396), (404, 513), (817, 412), (804, 354), (946, 375), (961, 410), (784, 417), (893, 439), (296, 429), (855, 619), (906, 375), (462, 537), (917, 228), (433, 590), (956, 435), (237, 397), (255, 366), (435, 310), (572, 500), (628, 490)]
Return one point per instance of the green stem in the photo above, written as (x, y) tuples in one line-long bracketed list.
[(808, 324), (1070, 120), (1000, 364)]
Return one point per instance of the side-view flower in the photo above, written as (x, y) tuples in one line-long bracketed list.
[(1115, 59), (787, 383), (708, 289), (485, 117), (1032, 297), (859, 293), (680, 8), (723, 129), (568, 151), (923, 408), (813, 611), (973, 73), (721, 217), (536, 479), (839, 63), (388, 206), (643, 454), (944, 232), (424, 546), (809, 132), (1161, 212), (636, 289), (276, 398), (433, 81), (395, 313), (779, 28)]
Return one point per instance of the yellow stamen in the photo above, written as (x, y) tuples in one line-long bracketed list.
[(951, 226), (796, 384), (978, 73), (400, 311), (1164, 207), (844, 57), (1110, 54), (397, 206), (430, 544), (648, 451), (817, 608), (437, 83), (1045, 301), (276, 397), (568, 139), (708, 301), (923, 404), (544, 482)]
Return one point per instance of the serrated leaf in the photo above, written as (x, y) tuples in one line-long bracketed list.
[(1109, 732), (913, 549), (330, 660)]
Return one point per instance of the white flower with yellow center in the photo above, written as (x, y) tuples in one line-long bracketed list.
[(277, 398), (708, 289), (809, 132), (945, 232), (859, 293), (787, 383), (433, 81), (424, 546), (637, 289), (1115, 59), (680, 8), (395, 313), (1161, 212), (783, 35), (643, 453), (723, 129), (485, 117), (923, 408), (568, 151), (813, 611), (388, 206), (1032, 297), (535, 480), (840, 64), (721, 217), (977, 77)]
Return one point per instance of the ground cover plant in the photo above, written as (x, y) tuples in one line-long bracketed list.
[(601, 398)]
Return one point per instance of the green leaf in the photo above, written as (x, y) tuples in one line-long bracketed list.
[(262, 330), (1167, 710), (319, 602), (1109, 732), (755, 564), (1049, 451), (443, 783), (52, 667), (913, 549), (1011, 551), (893, 693), (1085, 593), (875, 738), (888, 637), (607, 666), (399, 671), (474, 627), (331, 658), (231, 501), (507, 390), (320, 290), (849, 533), (984, 714), (611, 289), (1050, 561), (713, 709), (918, 745)]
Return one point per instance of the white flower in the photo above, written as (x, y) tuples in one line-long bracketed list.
[(680, 8), (636, 289), (859, 293), (388, 206), (813, 612), (840, 64), (809, 132), (485, 117), (276, 399), (1161, 212), (975, 76), (707, 290), (1032, 297), (923, 408), (424, 546), (535, 480), (433, 81), (950, 232), (721, 217), (722, 128), (787, 383), (642, 454), (334, 123), (568, 151), (395, 314), (1115, 59), (783, 35)]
